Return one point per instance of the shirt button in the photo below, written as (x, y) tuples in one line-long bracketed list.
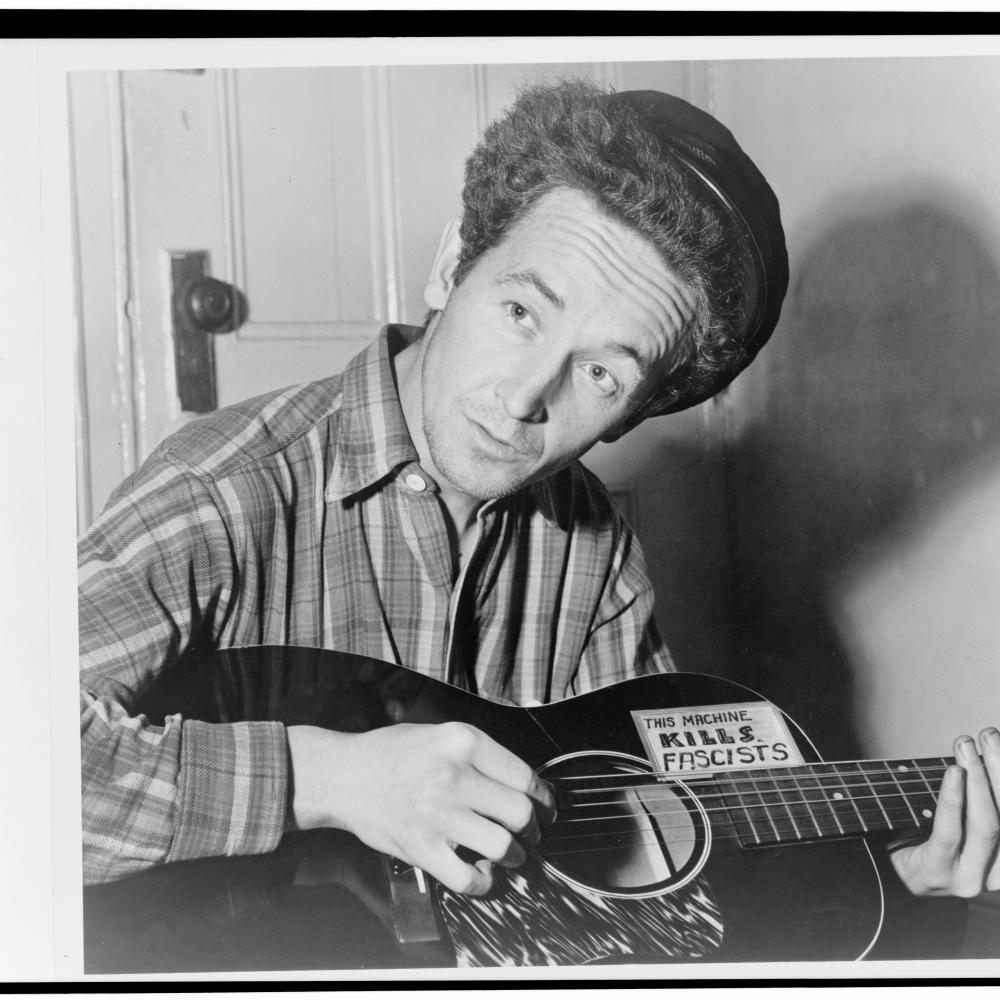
[(416, 483)]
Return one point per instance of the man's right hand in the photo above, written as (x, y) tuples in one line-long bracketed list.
[(417, 792)]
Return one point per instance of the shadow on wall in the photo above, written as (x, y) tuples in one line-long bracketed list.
[(883, 388), (671, 470), (682, 525)]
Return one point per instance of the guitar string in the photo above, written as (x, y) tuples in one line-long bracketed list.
[(897, 784), (631, 838), (846, 813), (784, 829), (775, 818), (899, 778), (905, 818), (775, 777), (770, 785), (770, 782), (775, 800), (788, 793), (911, 772), (591, 848)]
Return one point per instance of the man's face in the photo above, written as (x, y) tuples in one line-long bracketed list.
[(546, 347)]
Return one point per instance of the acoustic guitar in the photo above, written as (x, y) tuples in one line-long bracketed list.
[(695, 823)]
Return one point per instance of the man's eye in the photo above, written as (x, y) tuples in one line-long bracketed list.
[(517, 312), (601, 377)]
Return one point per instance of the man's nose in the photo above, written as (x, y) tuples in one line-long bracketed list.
[(528, 392)]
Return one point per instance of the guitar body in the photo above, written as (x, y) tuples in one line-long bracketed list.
[(325, 901)]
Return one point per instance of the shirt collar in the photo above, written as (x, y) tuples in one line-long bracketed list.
[(373, 439)]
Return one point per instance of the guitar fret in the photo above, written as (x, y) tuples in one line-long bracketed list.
[(806, 804), (791, 815), (945, 764), (879, 766), (745, 794), (864, 774), (923, 777), (765, 809), (783, 801), (899, 766), (749, 818), (922, 797), (872, 813), (775, 817), (774, 806), (927, 802), (900, 801), (854, 821), (733, 801), (795, 803), (817, 789)]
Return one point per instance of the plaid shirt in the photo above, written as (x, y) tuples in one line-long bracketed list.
[(304, 518)]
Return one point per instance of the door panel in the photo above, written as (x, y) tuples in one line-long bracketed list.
[(308, 239), (301, 200)]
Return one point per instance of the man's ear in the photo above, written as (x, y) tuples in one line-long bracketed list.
[(441, 281)]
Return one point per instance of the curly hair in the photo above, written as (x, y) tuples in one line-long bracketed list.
[(572, 134)]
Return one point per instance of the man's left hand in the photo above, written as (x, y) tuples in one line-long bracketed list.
[(961, 856)]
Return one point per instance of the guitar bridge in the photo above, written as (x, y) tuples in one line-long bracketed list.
[(411, 902)]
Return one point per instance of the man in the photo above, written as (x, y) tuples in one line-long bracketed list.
[(619, 257)]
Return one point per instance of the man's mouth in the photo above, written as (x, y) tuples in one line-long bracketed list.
[(498, 442)]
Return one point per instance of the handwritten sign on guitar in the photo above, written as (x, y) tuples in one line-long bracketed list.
[(710, 738)]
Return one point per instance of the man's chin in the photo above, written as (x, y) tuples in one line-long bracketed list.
[(486, 490), (484, 485)]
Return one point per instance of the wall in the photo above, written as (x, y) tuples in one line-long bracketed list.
[(780, 521), (864, 469)]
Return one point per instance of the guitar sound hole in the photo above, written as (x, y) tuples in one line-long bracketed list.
[(619, 831)]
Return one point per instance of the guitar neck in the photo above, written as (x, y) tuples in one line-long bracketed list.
[(811, 802)]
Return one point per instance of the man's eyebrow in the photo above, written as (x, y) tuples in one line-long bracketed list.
[(535, 280), (628, 351)]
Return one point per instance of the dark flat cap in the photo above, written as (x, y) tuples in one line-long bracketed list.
[(707, 148)]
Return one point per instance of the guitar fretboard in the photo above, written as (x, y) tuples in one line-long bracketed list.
[(770, 806)]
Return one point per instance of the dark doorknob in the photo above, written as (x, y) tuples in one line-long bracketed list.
[(200, 308), (213, 306)]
